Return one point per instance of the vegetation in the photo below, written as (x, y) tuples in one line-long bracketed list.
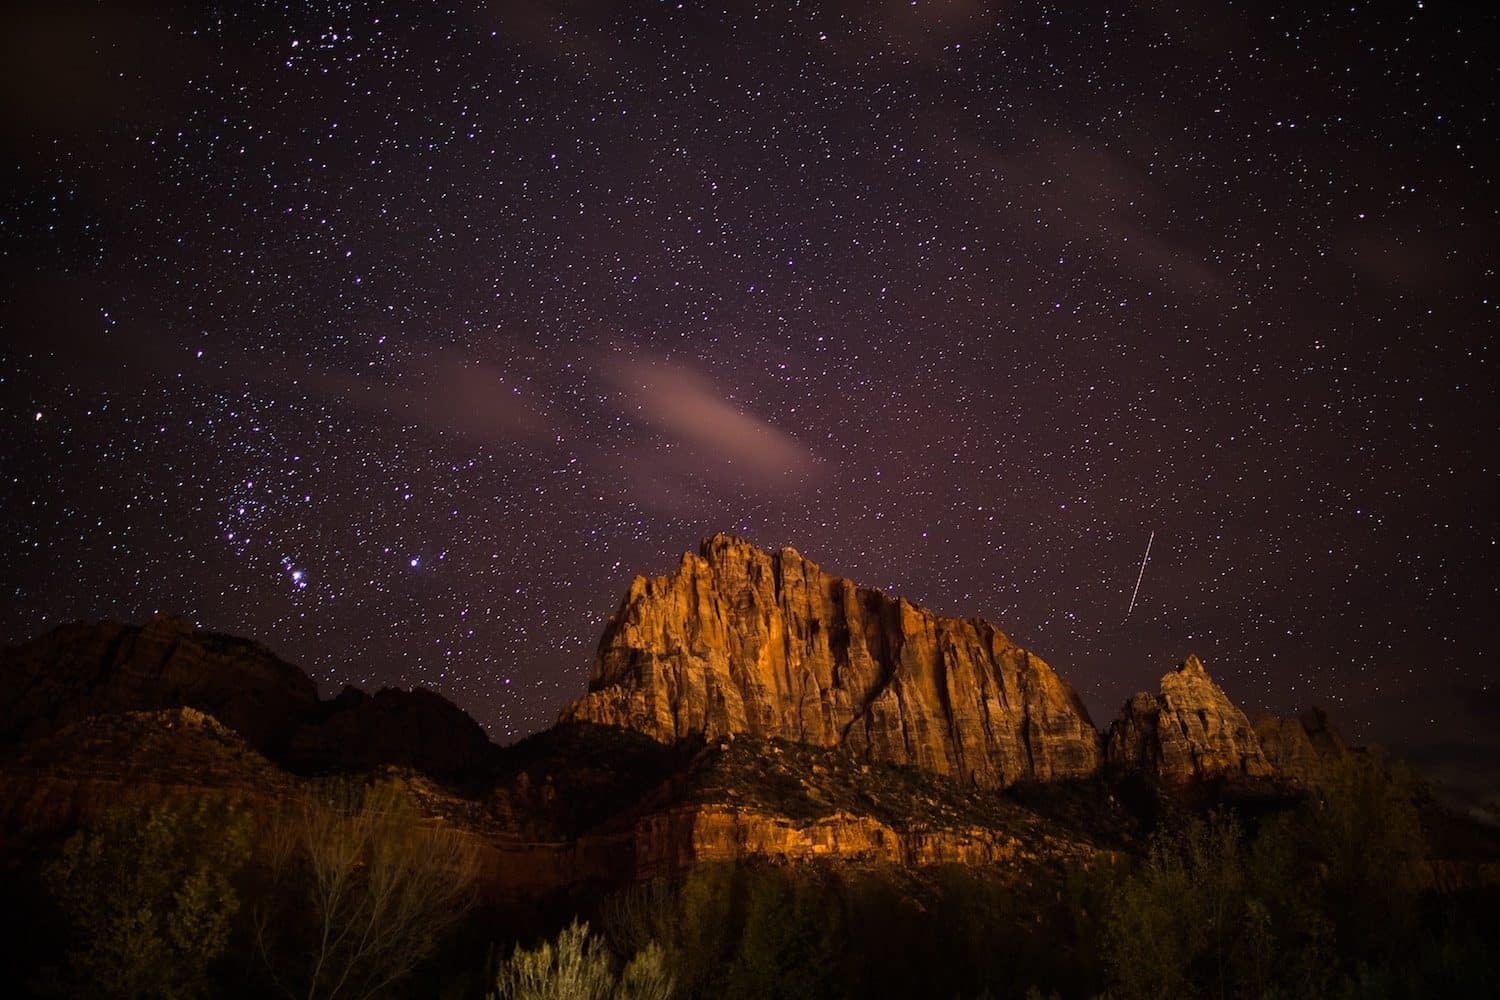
[(1321, 900), (352, 894), (578, 966), (357, 891), (149, 898)]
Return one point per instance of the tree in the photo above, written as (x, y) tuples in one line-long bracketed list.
[(1366, 837), (1172, 927), (788, 946), (149, 895), (687, 917), (577, 966), (361, 890)]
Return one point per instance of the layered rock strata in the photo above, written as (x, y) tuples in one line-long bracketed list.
[(674, 839), (1191, 731), (79, 670), (740, 640)]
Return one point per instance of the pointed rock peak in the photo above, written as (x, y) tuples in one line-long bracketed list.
[(1189, 731), (722, 540), (1192, 665)]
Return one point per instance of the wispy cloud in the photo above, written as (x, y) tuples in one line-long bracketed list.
[(698, 434)]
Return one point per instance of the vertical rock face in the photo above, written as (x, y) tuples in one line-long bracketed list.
[(740, 640), (1304, 750), (1191, 731)]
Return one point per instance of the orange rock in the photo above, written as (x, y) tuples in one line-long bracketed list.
[(1191, 731), (1304, 751), (740, 640)]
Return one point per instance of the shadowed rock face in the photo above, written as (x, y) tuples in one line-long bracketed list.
[(1191, 731), (81, 670), (740, 640), (1305, 750), (84, 670), (418, 728)]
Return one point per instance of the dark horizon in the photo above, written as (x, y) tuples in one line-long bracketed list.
[(399, 341)]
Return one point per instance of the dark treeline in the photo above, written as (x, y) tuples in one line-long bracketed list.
[(346, 893)]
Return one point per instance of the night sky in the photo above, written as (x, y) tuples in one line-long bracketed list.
[(400, 339)]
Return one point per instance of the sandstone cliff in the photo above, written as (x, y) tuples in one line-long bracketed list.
[(740, 640), (1190, 731), (105, 762)]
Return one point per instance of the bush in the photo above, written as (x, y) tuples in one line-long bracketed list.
[(579, 967), (690, 916), (149, 896), (359, 890)]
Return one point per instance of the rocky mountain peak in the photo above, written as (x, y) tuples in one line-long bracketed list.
[(739, 639), (1189, 731), (1194, 666), (1306, 750)]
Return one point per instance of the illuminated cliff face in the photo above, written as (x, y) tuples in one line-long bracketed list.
[(1190, 731), (740, 640)]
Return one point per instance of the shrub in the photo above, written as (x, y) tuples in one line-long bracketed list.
[(360, 890), (148, 894), (577, 966)]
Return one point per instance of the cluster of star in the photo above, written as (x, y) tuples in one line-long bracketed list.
[(400, 337)]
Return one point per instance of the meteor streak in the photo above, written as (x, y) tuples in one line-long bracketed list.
[(1138, 577)]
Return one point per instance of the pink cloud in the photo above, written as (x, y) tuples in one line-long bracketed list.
[(706, 435)]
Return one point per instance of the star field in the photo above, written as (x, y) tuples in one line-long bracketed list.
[(400, 337)]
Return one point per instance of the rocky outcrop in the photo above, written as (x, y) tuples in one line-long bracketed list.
[(107, 762), (1191, 731), (671, 840), (1304, 751), (84, 670), (740, 640), (419, 729), (80, 670)]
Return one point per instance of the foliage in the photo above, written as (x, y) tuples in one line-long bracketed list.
[(689, 917), (1304, 908), (789, 944), (646, 976), (149, 895), (1174, 923), (359, 890), (578, 966), (1365, 839)]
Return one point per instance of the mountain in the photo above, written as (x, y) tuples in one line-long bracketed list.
[(768, 761), (82, 670), (741, 640), (746, 705), (1191, 731), (1302, 751)]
